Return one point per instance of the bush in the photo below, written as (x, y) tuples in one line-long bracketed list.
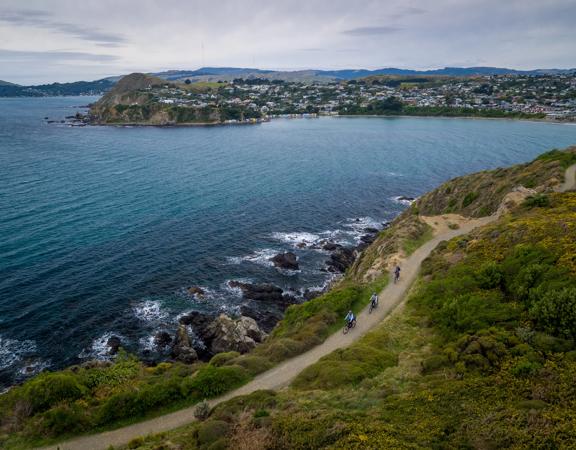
[(555, 312), (525, 368), (47, 389), (212, 431), (212, 381), (537, 201), (434, 363), (202, 410), (253, 364), (490, 276), (469, 198), (221, 359), (119, 406)]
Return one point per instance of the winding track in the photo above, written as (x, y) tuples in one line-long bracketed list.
[(281, 375)]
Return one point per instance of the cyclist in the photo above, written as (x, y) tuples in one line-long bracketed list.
[(350, 318), (374, 300), (396, 274)]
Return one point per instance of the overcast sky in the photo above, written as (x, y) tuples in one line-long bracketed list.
[(68, 40)]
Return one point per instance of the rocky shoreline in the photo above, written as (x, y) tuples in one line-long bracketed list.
[(200, 335)]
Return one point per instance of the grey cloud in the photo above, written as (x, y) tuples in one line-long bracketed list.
[(372, 31), (42, 19), (52, 56)]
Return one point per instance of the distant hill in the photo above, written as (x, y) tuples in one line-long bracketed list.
[(212, 74), (229, 73), (97, 87)]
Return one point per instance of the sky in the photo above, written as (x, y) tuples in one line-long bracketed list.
[(68, 40)]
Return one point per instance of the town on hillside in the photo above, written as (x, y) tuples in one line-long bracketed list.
[(551, 97)]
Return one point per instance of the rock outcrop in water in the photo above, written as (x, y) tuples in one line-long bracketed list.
[(182, 349), (288, 261)]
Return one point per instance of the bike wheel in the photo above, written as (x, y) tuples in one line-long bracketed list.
[(345, 330), (371, 308)]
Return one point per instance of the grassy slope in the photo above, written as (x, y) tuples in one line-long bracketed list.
[(477, 359), (79, 400)]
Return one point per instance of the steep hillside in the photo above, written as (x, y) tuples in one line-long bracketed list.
[(475, 195), (482, 356), (134, 100)]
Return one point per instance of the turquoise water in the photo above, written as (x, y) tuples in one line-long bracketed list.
[(102, 229)]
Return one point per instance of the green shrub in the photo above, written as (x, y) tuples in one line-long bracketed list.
[(435, 362), (202, 410), (469, 198), (211, 431), (253, 364), (212, 381), (345, 367), (525, 368), (120, 406), (221, 359), (47, 389), (64, 419), (536, 201), (490, 276), (555, 312)]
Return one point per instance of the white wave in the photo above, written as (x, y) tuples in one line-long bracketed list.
[(99, 348), (150, 311), (361, 223), (209, 294), (12, 351), (297, 239), (236, 291), (147, 343), (402, 201), (34, 367), (261, 257)]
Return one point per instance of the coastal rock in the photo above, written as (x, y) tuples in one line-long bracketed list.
[(341, 259), (198, 321), (162, 339), (330, 246), (113, 344), (197, 291), (311, 294), (371, 230), (288, 261), (182, 349), (368, 238), (403, 198), (240, 335), (266, 319), (260, 292)]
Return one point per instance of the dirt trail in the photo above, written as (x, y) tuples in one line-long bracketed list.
[(569, 180), (281, 375), (284, 373)]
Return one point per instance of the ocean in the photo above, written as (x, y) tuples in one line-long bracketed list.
[(103, 229)]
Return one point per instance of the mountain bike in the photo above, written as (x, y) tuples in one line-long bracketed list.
[(349, 326), (373, 305)]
